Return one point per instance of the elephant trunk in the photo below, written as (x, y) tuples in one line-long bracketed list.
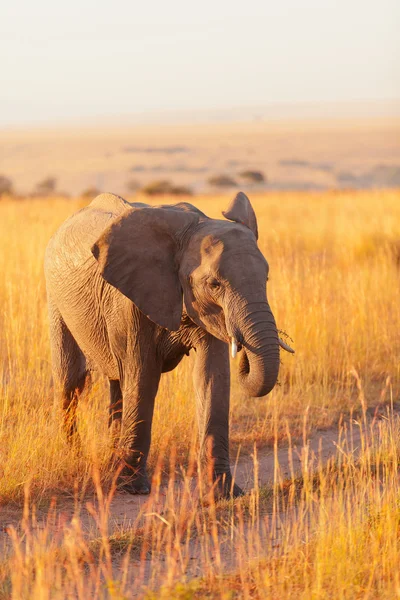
[(259, 363)]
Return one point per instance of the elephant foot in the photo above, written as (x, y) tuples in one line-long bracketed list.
[(225, 487), (133, 481)]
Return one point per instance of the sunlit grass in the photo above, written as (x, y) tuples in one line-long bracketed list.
[(334, 288), (342, 539), (331, 531)]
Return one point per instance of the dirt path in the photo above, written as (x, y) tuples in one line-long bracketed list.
[(321, 446), (235, 545), (171, 558)]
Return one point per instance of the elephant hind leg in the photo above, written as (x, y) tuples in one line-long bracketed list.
[(115, 410), (70, 374), (70, 395)]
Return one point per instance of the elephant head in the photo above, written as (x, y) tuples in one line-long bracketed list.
[(160, 257)]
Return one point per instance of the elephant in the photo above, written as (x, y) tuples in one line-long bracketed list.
[(133, 288)]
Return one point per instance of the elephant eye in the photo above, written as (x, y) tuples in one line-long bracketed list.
[(214, 284)]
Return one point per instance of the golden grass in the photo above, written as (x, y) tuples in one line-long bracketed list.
[(333, 533), (334, 288), (329, 533)]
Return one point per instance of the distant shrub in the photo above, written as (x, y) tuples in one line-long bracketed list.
[(384, 176), (350, 180), (181, 190), (222, 181), (158, 188), (47, 187), (347, 177), (90, 193), (132, 185), (380, 176), (253, 176), (155, 149), (6, 186), (294, 162)]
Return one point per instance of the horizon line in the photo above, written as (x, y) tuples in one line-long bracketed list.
[(273, 111)]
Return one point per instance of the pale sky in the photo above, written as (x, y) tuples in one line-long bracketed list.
[(92, 58)]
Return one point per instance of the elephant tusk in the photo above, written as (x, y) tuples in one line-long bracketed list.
[(285, 346), (233, 347)]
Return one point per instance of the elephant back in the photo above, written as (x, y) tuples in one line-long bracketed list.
[(113, 203)]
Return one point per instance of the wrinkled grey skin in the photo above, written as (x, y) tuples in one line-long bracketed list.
[(132, 289)]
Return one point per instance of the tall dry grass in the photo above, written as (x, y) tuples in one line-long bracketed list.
[(333, 533), (333, 287), (330, 531)]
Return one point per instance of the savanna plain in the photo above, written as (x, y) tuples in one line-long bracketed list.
[(317, 525)]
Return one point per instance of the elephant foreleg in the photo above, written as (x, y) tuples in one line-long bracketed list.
[(138, 406), (211, 378)]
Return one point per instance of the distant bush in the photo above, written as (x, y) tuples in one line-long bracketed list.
[(222, 181), (181, 190), (132, 185), (253, 176), (155, 149), (294, 162), (380, 176), (90, 193), (347, 177), (158, 188), (47, 187), (6, 186), (384, 176)]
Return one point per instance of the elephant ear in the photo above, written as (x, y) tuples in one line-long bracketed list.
[(137, 254), (241, 211)]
